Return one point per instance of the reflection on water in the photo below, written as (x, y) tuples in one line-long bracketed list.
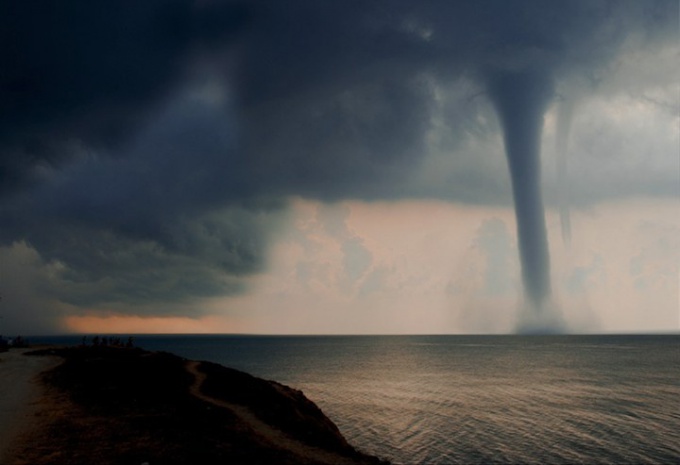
[(461, 400), (477, 399)]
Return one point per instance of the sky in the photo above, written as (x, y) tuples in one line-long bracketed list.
[(339, 167)]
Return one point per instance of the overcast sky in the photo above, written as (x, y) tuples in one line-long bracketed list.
[(331, 166)]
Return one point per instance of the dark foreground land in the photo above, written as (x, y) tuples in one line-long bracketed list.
[(108, 405)]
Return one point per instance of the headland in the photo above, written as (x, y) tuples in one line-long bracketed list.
[(123, 405)]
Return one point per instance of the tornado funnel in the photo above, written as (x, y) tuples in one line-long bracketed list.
[(564, 118), (521, 99)]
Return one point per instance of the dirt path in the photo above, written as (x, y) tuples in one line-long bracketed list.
[(19, 391), (262, 429)]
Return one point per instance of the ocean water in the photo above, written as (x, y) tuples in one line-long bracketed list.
[(475, 399)]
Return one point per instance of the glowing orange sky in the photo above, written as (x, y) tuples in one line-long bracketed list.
[(125, 324)]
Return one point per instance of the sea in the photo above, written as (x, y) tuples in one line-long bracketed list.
[(443, 400)]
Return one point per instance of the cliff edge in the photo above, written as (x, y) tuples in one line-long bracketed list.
[(110, 406)]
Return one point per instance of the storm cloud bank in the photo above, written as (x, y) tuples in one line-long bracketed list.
[(147, 149)]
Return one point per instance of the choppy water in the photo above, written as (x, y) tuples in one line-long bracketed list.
[(477, 399)]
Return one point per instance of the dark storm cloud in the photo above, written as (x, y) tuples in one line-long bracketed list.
[(344, 105), (164, 222), (104, 169), (112, 166), (349, 83), (90, 72)]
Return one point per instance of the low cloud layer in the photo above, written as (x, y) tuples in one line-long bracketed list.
[(148, 149)]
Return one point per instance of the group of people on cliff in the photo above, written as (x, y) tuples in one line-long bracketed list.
[(6, 343), (111, 341)]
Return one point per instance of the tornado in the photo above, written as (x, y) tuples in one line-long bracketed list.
[(521, 99), (564, 119)]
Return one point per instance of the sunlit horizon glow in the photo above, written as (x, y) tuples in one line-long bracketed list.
[(126, 324)]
